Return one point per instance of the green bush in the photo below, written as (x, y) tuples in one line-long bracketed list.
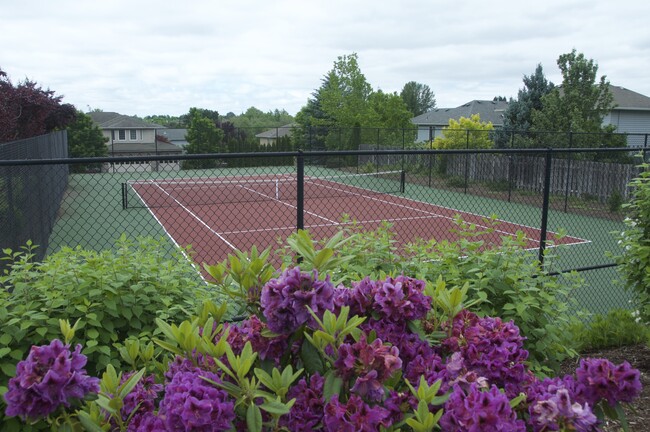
[(114, 294), (634, 260), (505, 280), (618, 328), (614, 202)]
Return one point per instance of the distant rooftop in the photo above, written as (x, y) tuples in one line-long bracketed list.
[(629, 100), (113, 120), (277, 132), (489, 111)]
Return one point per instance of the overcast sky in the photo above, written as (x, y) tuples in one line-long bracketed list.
[(163, 57)]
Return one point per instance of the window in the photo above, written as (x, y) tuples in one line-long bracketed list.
[(121, 135), (133, 134)]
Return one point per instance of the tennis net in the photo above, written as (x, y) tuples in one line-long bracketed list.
[(224, 190)]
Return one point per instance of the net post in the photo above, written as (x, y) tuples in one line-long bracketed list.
[(300, 189), (402, 181), (124, 202)]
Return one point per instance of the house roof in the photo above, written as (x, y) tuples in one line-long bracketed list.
[(113, 120), (489, 111), (277, 132), (629, 100), (150, 148)]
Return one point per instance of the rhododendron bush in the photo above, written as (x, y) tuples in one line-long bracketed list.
[(389, 354)]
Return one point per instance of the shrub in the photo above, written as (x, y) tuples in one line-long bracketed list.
[(366, 359), (618, 328), (634, 260), (614, 202), (113, 294)]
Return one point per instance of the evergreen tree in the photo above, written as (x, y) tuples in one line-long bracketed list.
[(203, 137), (85, 139), (417, 97)]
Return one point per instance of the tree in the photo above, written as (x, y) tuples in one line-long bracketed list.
[(203, 137), (26, 110), (465, 133), (579, 105), (517, 118), (345, 98), (418, 98), (85, 139)]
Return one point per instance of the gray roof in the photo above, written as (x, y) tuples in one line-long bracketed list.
[(112, 120), (149, 148), (629, 100), (489, 111), (277, 132)]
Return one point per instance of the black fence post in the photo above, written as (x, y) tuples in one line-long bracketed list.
[(567, 189), (300, 189), (467, 163), (545, 205)]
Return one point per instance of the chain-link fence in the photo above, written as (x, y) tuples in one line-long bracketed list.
[(566, 202), (30, 194)]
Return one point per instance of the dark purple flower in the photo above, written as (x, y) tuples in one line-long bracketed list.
[(354, 416), (600, 379), (142, 397), (307, 412), (370, 364), (475, 410), (192, 403), (50, 377), (146, 422), (401, 299), (285, 300), (250, 330)]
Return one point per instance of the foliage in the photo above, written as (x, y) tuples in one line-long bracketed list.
[(85, 139), (203, 137), (579, 106), (465, 133), (634, 259), (417, 97), (518, 116), (506, 280), (256, 118), (165, 120), (619, 327), (26, 110), (112, 294), (365, 362)]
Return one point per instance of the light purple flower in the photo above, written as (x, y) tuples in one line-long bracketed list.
[(50, 377), (192, 403)]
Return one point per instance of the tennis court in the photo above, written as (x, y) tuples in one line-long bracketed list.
[(219, 215)]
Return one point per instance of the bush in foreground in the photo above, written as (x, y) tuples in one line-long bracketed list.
[(381, 354)]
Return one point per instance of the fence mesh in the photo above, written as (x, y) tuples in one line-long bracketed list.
[(567, 202), (30, 195)]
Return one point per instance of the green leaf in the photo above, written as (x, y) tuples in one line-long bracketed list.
[(332, 386), (275, 407), (311, 358), (254, 418)]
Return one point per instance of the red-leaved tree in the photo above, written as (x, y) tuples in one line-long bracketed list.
[(26, 110)]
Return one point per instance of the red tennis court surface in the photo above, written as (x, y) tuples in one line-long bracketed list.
[(220, 215)]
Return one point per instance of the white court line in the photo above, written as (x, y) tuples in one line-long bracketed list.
[(187, 257), (198, 218), (374, 198)]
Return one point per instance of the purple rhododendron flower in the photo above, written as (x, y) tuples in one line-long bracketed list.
[(600, 379), (250, 330), (285, 300), (492, 349), (307, 412), (477, 410), (192, 403), (141, 399), (370, 363), (354, 416), (559, 412), (50, 377)]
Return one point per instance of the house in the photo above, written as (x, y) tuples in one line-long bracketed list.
[(430, 124), (131, 136), (630, 115), (271, 136)]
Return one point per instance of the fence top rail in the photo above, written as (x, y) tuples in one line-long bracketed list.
[(306, 154)]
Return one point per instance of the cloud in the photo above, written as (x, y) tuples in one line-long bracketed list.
[(162, 57)]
